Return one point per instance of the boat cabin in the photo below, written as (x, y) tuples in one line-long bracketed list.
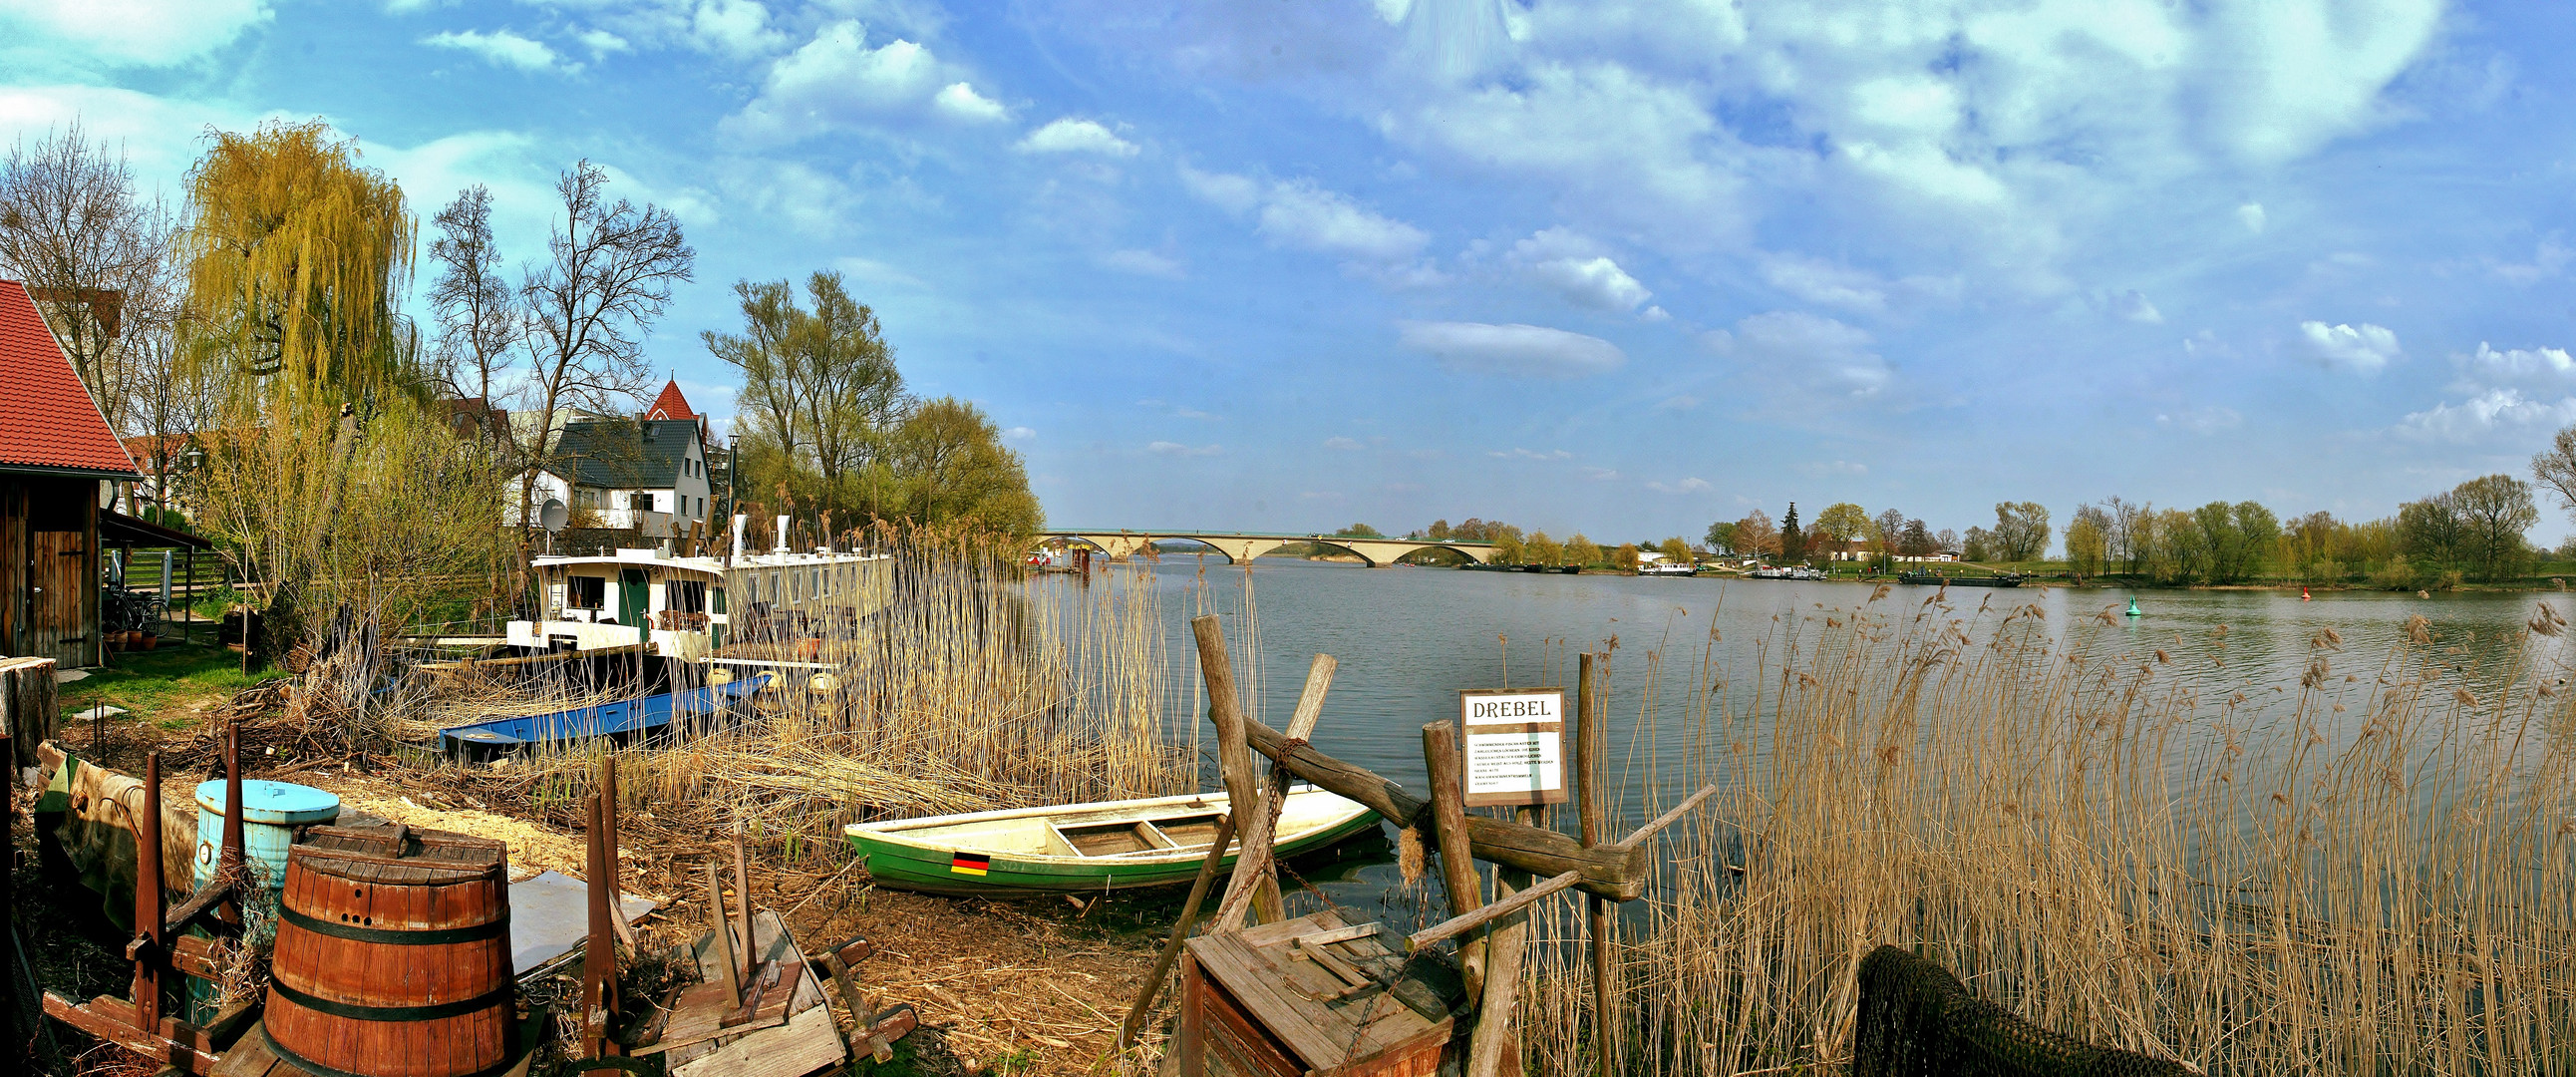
[(691, 607)]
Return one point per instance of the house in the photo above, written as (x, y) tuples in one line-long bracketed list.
[(646, 474), (57, 457)]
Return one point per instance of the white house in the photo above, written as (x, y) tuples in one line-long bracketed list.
[(647, 474)]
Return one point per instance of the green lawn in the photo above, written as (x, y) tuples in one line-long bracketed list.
[(165, 686)]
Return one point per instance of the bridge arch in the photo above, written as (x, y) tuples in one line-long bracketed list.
[(1238, 547)]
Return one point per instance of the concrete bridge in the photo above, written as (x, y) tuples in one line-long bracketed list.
[(1241, 546)]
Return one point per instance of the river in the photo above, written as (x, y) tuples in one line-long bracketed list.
[(1408, 639)]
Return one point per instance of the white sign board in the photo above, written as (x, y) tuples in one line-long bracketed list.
[(1515, 745)]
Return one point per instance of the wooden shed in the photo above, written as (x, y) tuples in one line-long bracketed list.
[(56, 454)]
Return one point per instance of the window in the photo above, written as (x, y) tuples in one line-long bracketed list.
[(584, 497), (586, 592), (640, 502), (685, 596)]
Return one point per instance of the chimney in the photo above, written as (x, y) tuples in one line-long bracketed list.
[(782, 534), (738, 520)]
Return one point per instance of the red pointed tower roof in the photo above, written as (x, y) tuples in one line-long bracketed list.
[(670, 405), (48, 422)]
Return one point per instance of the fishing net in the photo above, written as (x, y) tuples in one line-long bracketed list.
[(1917, 1020)]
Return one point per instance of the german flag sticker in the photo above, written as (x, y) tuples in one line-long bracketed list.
[(969, 864)]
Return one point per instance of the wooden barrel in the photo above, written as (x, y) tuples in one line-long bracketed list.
[(393, 955)]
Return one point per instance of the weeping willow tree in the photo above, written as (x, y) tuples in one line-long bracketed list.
[(332, 476)]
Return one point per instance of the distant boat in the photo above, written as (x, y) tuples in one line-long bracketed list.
[(1083, 848), (1668, 568), (1933, 579), (1785, 572)]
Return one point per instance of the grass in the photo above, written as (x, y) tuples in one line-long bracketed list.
[(164, 685), (2370, 878)]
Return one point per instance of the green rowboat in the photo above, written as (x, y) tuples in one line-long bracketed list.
[(1083, 848)]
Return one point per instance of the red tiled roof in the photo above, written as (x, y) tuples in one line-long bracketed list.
[(670, 405), (47, 418)]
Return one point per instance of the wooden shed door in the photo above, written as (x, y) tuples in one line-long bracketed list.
[(54, 628)]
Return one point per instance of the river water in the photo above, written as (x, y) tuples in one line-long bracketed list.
[(1408, 639)]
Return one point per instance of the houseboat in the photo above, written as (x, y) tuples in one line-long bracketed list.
[(689, 608)]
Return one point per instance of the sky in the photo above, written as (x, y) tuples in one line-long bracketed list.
[(1618, 268)]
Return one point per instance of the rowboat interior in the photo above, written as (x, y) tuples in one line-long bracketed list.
[(1105, 832)]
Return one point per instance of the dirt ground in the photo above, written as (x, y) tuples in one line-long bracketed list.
[(1005, 989)]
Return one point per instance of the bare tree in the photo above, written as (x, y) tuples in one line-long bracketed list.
[(88, 247), (479, 318), (2556, 468), (607, 276)]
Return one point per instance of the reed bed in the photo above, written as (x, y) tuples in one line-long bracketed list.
[(2375, 873), (957, 684)]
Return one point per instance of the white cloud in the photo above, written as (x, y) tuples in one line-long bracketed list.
[(501, 48), (2133, 306), (838, 80), (2251, 215), (2548, 261), (1174, 448), (2207, 419), (141, 33), (1811, 359), (1686, 486), (2365, 350), (1233, 194), (1070, 135), (1574, 267), (1302, 215), (1818, 281), (1343, 444), (735, 28), (1020, 433), (1515, 350), (1530, 454), (1144, 263), (601, 42), (2487, 413), (1838, 467), (1600, 474), (959, 100), (2541, 366)]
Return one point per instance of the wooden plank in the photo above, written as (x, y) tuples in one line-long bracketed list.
[(699, 1013), (794, 1048), (1262, 990), (1460, 925), (113, 1019)]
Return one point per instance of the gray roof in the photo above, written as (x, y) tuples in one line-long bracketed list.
[(623, 454)]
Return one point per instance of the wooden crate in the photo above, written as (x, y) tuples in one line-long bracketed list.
[(1256, 1004)]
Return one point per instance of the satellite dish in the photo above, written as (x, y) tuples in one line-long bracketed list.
[(553, 516)]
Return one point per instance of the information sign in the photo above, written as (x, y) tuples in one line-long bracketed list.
[(1515, 745)]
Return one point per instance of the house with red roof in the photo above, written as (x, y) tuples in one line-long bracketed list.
[(57, 457)]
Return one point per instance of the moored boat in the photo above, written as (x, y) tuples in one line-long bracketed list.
[(1083, 848), (1934, 579)]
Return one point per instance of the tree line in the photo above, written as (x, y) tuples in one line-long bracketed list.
[(341, 451)]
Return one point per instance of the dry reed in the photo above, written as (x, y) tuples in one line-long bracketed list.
[(2373, 877)]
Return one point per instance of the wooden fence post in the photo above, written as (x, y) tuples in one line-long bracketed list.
[(1233, 748), (1590, 745), (1449, 831)]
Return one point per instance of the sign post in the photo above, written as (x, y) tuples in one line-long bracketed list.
[(1515, 745)]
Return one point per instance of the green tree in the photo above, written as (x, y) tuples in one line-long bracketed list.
[(1675, 548), (1582, 551), (2258, 534), (1842, 522), (2086, 546), (295, 255), (1625, 559), (2021, 530), (2494, 512), (1358, 531), (1438, 531), (1508, 549), (2429, 533), (1721, 536), (1542, 550), (1793, 539), (947, 465), (820, 392)]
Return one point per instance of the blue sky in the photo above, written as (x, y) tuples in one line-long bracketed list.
[(1625, 268)]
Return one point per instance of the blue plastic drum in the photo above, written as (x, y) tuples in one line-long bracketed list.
[(270, 813)]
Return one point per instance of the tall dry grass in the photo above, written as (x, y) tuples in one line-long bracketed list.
[(957, 684), (2374, 874)]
